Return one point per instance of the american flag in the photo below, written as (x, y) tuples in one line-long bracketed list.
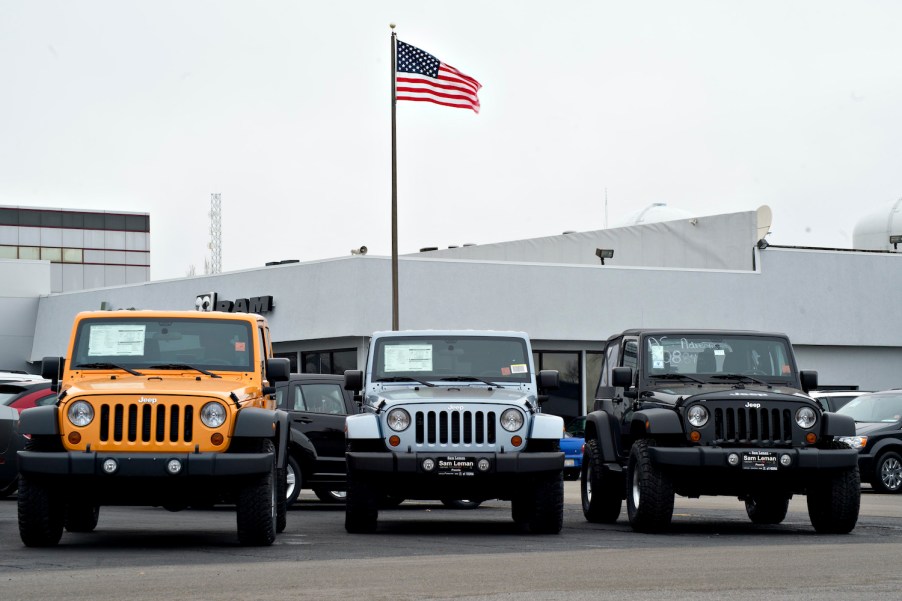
[(423, 78)]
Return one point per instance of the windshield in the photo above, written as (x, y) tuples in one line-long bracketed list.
[(452, 359), (710, 357), (142, 343), (886, 408)]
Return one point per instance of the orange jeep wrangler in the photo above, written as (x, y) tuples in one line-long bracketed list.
[(161, 408)]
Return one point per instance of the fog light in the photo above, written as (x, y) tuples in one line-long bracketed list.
[(110, 466), (483, 465), (428, 465), (394, 440), (785, 460), (811, 438), (733, 459), (516, 441), (217, 439), (74, 438), (174, 466)]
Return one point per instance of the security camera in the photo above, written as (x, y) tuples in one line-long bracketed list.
[(359, 251)]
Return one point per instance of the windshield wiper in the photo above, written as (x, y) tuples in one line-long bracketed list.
[(185, 366), (469, 379), (677, 377), (404, 379), (741, 377), (108, 366)]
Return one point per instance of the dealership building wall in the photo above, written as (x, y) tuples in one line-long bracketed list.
[(839, 308)]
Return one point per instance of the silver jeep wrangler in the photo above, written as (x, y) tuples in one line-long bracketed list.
[(453, 415)]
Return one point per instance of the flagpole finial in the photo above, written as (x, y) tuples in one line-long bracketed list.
[(392, 25)]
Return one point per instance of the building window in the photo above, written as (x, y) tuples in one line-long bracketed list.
[(292, 360), (593, 375), (9, 252), (32, 253), (566, 401), (329, 362), (72, 255), (54, 255)]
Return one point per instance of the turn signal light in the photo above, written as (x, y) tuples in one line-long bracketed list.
[(394, 440), (216, 439), (74, 438), (811, 438), (695, 436), (516, 441)]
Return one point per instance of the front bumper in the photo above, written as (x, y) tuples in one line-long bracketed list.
[(143, 465), (412, 463), (717, 457)]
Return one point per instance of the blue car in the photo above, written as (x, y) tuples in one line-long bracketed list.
[(572, 446)]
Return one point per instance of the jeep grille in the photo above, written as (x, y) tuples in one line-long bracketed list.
[(161, 423), (750, 425), (455, 427)]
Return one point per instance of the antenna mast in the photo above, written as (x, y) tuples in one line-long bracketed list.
[(215, 233)]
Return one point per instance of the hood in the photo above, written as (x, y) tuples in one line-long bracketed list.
[(150, 385), (875, 427), (674, 394), (455, 394)]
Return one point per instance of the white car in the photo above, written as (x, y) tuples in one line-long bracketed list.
[(831, 400)]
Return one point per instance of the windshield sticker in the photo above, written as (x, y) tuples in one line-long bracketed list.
[(518, 368), (118, 340), (657, 356), (408, 357), (240, 347), (505, 371), (719, 352)]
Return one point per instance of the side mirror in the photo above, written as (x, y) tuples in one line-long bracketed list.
[(549, 379), (353, 380), (809, 380), (52, 369), (278, 369), (622, 377)]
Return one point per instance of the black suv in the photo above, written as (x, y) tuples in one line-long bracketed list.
[(317, 406), (878, 438), (710, 412)]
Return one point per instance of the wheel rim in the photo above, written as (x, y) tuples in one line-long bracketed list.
[(290, 478), (891, 473), (339, 494), (635, 488), (589, 484)]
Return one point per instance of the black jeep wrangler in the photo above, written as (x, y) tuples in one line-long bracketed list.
[(704, 412)]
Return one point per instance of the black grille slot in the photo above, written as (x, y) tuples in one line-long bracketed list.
[(145, 423), (751, 425), (161, 423), (118, 411), (174, 423), (105, 423), (454, 427), (189, 423)]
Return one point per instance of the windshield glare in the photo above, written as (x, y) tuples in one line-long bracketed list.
[(139, 343), (707, 356), (886, 408), (497, 359)]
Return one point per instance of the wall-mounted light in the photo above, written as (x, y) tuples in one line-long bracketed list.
[(604, 253), (895, 240), (762, 244)]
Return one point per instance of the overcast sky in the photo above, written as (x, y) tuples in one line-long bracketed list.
[(283, 107)]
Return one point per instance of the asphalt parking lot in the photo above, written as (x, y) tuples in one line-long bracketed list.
[(423, 551)]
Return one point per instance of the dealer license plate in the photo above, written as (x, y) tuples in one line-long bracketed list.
[(759, 460), (455, 465)]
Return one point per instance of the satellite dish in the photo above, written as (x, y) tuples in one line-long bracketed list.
[(765, 218)]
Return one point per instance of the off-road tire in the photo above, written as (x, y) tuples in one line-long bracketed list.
[(81, 517), (834, 502), (9, 488), (258, 502), (41, 513), (767, 508), (649, 495), (601, 491), (548, 504), (361, 506), (888, 473), (293, 471)]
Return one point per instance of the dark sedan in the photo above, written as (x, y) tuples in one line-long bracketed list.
[(14, 398), (878, 429)]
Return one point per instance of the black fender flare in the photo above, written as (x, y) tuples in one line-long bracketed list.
[(893, 444), (598, 428), (40, 421), (655, 422), (254, 422), (837, 425)]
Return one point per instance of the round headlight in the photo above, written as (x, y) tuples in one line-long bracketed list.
[(806, 417), (212, 415), (511, 420), (697, 415), (398, 420), (80, 413)]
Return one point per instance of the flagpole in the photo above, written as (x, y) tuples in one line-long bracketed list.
[(394, 187)]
